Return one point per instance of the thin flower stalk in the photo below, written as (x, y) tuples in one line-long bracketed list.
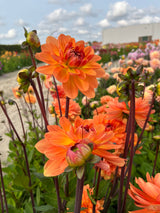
[(113, 188), (132, 144), (39, 102), (67, 178), (128, 130), (97, 189), (3, 189), (38, 79), (20, 116), (1, 201), (55, 84), (79, 192), (145, 123), (155, 160)]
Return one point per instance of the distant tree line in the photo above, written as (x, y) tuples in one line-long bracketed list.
[(14, 47)]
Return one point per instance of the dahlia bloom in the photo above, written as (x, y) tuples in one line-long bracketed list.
[(16, 92), (74, 108), (148, 196), (30, 98), (59, 140), (105, 99), (87, 203), (116, 110), (155, 63), (154, 54), (71, 63), (111, 89)]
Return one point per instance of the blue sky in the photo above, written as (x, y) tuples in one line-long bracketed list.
[(82, 19)]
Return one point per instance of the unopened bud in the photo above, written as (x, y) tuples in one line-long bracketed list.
[(51, 109), (77, 155), (23, 75), (158, 88), (32, 39)]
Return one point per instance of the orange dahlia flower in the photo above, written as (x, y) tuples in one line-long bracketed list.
[(16, 92), (74, 108), (105, 99), (59, 141), (148, 197), (29, 98), (71, 63), (87, 203)]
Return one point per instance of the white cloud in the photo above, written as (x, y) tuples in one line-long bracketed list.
[(86, 8), (104, 23), (82, 31), (9, 35), (21, 23), (149, 19), (62, 30), (118, 10), (60, 15), (80, 21), (122, 22)]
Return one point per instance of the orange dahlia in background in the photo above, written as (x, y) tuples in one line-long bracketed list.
[(87, 203), (71, 63), (29, 98), (74, 108), (148, 197), (16, 92)]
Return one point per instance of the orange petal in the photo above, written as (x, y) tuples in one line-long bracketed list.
[(82, 85), (70, 89), (54, 167), (63, 40), (41, 145), (47, 69), (58, 138), (53, 44), (65, 123)]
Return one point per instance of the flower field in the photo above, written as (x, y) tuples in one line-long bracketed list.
[(11, 61), (90, 128)]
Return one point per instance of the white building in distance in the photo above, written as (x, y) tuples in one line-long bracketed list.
[(132, 33)]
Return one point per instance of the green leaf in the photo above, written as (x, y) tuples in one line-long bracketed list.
[(22, 181), (30, 155), (90, 197), (28, 208), (94, 159), (25, 32), (38, 195), (44, 208), (80, 172)]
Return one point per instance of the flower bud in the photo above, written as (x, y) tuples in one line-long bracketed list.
[(51, 109), (158, 88), (77, 155), (32, 39), (23, 75)]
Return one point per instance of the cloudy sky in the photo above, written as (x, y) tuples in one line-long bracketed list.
[(82, 19)]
